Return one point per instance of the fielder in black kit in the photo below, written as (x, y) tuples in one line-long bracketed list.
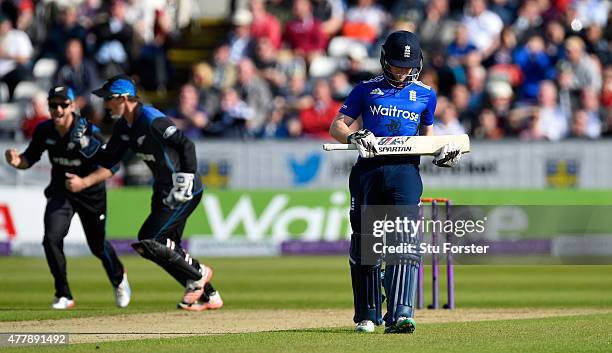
[(177, 187), (77, 186)]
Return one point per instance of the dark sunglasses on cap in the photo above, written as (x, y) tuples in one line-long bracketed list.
[(56, 105), (113, 96)]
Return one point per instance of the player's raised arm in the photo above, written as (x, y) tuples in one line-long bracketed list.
[(14, 159)]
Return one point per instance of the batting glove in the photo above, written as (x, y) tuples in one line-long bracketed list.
[(365, 141), (78, 137), (449, 156), (182, 190)]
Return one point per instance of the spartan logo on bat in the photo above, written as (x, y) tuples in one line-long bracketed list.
[(394, 126)]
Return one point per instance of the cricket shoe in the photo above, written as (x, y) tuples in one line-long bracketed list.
[(195, 289), (210, 300), (123, 293), (402, 325), (366, 326), (62, 303)]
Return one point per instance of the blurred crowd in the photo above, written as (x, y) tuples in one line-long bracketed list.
[(526, 69)]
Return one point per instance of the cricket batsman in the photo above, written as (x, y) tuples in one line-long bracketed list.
[(177, 186), (76, 186), (395, 103)]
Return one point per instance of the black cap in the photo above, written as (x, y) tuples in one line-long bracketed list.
[(63, 92), (402, 49)]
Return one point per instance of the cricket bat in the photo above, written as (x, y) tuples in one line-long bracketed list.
[(409, 145)]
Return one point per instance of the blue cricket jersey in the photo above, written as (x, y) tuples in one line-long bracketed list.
[(390, 111)]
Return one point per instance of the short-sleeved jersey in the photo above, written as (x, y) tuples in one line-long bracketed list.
[(157, 141), (64, 158), (390, 111)]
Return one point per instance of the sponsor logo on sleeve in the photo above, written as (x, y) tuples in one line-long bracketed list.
[(169, 131)]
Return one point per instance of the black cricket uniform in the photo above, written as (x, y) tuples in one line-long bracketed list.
[(157, 141), (89, 204)]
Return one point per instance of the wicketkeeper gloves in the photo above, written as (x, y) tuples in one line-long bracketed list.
[(365, 141), (182, 190), (449, 156), (86, 144)]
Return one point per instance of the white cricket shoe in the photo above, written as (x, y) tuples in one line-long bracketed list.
[(366, 326), (123, 293), (62, 303)]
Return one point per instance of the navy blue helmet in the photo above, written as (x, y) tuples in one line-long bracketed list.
[(401, 49)]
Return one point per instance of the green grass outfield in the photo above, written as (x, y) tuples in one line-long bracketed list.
[(298, 283)]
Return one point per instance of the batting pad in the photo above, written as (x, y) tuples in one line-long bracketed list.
[(169, 259)]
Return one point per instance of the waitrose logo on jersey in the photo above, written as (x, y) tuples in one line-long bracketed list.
[(393, 112)]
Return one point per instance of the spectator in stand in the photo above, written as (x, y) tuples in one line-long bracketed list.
[(553, 120), (340, 86), (233, 117), (113, 41), (31, 22), (476, 77), (264, 24), (224, 71), (589, 102), (40, 113), (271, 66), (529, 21), (483, 26), (331, 14), (501, 99), (77, 72), (90, 13), (438, 29), (317, 119), (503, 55), (505, 9), (365, 21), (153, 67), (554, 36), (598, 45), (448, 122), (583, 69), (533, 130), (296, 96), (460, 46), (188, 115), (355, 70), (583, 127), (445, 73), (535, 66), (304, 33), (255, 91), (15, 54), (488, 127), (241, 44), (66, 28), (208, 96), (284, 119), (460, 98)]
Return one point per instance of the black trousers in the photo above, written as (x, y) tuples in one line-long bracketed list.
[(58, 215), (164, 223)]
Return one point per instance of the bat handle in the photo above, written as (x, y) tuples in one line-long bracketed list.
[(338, 147)]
